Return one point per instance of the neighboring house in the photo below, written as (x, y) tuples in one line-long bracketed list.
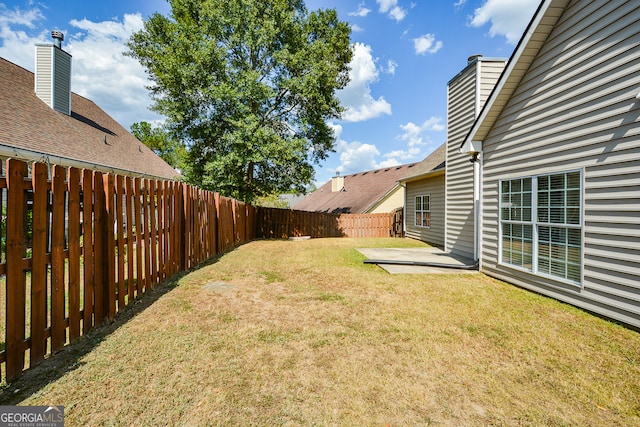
[(376, 191), (439, 206), (558, 145), (424, 201), (45, 121)]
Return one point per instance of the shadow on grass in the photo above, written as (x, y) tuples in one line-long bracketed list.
[(69, 358)]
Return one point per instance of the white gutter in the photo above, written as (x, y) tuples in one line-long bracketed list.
[(35, 156)]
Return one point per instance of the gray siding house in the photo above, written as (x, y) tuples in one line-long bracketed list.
[(558, 143)]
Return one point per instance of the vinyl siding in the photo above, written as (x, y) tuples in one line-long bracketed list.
[(434, 187), (391, 202), (43, 75), (467, 94), (576, 108), (62, 81), (461, 112)]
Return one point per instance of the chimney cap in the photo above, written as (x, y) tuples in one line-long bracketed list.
[(58, 37), (472, 58)]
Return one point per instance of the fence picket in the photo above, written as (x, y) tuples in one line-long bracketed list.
[(87, 250), (73, 219), (153, 233), (99, 249), (39, 265), (58, 326), (128, 189), (137, 205), (120, 255), (15, 247)]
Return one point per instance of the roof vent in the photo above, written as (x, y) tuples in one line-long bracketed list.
[(58, 38)]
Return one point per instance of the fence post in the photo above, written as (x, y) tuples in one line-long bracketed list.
[(16, 248)]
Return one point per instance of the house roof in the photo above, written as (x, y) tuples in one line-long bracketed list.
[(89, 137), (361, 191), (432, 164), (527, 49)]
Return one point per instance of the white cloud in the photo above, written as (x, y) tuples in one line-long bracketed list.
[(391, 66), (398, 13), (459, 4), (100, 71), (103, 74), (16, 44), (426, 44), (416, 139), (337, 129), (392, 9), (17, 16), (356, 157), (356, 28), (360, 105), (507, 17), (388, 163), (361, 12)]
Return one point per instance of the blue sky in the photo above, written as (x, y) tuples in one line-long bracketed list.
[(405, 52)]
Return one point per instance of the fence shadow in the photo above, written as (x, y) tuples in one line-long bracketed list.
[(69, 358)]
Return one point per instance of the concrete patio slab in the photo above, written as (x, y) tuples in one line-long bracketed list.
[(445, 262)]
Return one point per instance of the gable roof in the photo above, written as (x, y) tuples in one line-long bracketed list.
[(532, 40), (361, 191), (88, 138), (432, 164)]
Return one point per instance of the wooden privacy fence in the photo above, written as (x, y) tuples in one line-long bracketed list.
[(283, 223), (79, 246)]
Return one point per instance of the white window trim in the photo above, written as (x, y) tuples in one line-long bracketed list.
[(535, 227), (415, 211)]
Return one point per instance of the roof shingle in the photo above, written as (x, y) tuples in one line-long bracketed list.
[(432, 163), (88, 135), (361, 191)]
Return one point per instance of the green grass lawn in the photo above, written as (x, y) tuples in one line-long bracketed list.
[(303, 333)]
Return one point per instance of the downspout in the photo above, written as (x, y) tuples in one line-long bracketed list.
[(477, 170), (477, 206), (404, 209)]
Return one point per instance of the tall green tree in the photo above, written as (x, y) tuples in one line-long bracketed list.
[(250, 86), (161, 142)]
